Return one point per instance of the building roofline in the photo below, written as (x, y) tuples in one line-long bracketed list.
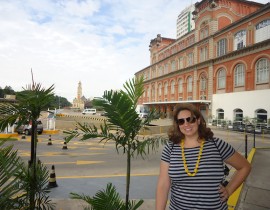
[(178, 102), (267, 6), (245, 1)]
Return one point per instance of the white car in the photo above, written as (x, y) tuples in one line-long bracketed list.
[(89, 111)]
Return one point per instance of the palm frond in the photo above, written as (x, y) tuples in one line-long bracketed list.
[(133, 205), (134, 89), (107, 199), (30, 103), (34, 179), (10, 164), (148, 144)]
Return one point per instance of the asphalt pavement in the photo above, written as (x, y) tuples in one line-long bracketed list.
[(254, 195)]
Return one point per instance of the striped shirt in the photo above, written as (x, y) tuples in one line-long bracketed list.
[(202, 190)]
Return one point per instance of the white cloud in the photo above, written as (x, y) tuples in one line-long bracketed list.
[(101, 43)]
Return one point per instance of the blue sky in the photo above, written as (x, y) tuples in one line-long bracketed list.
[(101, 43)]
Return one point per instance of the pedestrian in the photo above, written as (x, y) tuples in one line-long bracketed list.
[(192, 165)]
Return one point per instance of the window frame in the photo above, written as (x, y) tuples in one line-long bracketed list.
[(262, 31), (166, 88), (221, 79), (203, 83), (180, 85), (189, 84), (240, 39), (172, 87), (239, 75), (222, 47), (262, 74)]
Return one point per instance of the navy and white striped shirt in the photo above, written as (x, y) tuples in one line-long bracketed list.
[(202, 190)]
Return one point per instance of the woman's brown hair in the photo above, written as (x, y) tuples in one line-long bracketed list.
[(174, 133)]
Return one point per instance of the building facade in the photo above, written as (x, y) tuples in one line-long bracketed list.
[(185, 22), (222, 66)]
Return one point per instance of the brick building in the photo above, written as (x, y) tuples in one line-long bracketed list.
[(222, 66)]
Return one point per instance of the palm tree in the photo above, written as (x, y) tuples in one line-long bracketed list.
[(31, 101), (16, 180), (10, 164), (122, 126)]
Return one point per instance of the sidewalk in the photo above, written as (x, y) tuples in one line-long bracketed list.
[(255, 194)]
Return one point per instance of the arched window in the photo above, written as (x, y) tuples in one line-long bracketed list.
[(262, 71), (262, 31), (261, 116), (220, 115), (166, 88), (160, 71), (173, 66), (240, 40), (221, 79), (153, 93), (203, 82), (166, 69), (238, 115), (153, 73), (180, 86), (239, 75), (204, 33), (172, 87), (181, 62), (203, 53), (190, 59), (159, 89), (189, 84)]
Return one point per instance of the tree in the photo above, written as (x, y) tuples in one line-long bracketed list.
[(15, 193), (31, 101), (123, 126), (9, 91), (1, 93), (60, 102)]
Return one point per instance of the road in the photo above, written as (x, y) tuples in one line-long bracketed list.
[(88, 166)]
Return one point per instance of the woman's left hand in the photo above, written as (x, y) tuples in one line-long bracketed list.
[(224, 194)]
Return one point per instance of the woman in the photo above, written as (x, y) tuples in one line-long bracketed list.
[(192, 165)]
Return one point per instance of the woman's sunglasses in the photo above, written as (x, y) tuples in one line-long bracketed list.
[(188, 120)]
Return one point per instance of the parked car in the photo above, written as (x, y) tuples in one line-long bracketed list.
[(258, 129), (27, 128), (230, 126), (249, 128), (238, 126), (214, 123)]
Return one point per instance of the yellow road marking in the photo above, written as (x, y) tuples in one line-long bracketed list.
[(60, 154), (78, 162), (104, 176), (97, 148)]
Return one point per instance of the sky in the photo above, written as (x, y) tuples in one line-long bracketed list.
[(101, 43)]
